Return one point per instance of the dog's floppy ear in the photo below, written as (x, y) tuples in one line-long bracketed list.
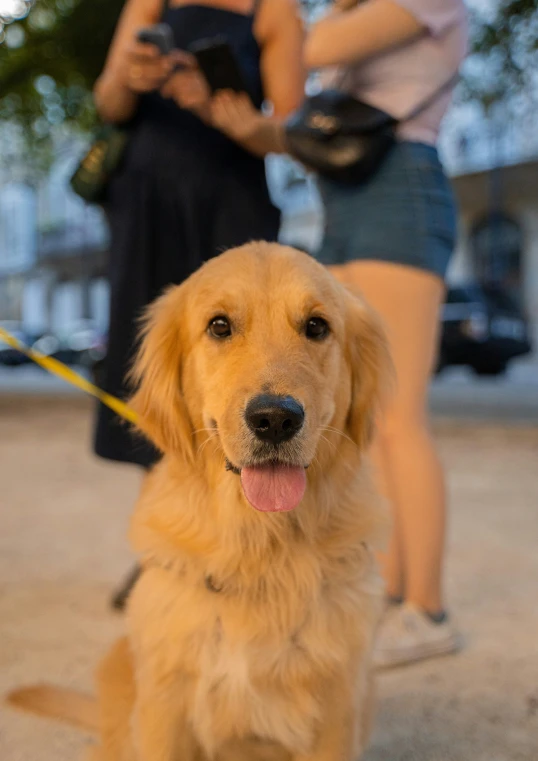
[(156, 376), (371, 368)]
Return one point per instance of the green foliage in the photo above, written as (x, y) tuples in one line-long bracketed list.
[(47, 76), (507, 46)]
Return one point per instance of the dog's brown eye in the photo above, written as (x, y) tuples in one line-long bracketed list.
[(219, 327), (317, 328)]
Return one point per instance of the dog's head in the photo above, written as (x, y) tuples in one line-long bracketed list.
[(264, 353)]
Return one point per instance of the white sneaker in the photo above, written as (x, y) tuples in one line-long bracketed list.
[(408, 634)]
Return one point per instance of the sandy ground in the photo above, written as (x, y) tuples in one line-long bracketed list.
[(63, 517)]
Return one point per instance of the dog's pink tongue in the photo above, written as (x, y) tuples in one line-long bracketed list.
[(274, 488)]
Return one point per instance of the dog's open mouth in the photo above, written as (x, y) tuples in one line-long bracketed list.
[(273, 487)]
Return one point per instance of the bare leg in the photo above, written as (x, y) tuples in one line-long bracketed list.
[(408, 301), (392, 562)]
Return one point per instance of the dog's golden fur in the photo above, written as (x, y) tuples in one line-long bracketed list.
[(249, 634)]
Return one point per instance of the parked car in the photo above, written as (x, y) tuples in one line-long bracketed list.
[(11, 357), (483, 328), (79, 344)]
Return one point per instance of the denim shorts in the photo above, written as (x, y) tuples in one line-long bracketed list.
[(405, 214)]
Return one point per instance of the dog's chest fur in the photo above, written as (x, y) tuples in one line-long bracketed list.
[(247, 667), (246, 620), (240, 690)]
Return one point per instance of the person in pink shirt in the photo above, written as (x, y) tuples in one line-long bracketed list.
[(392, 238)]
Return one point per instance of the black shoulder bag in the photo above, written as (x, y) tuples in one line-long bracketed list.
[(102, 160), (92, 176), (343, 138)]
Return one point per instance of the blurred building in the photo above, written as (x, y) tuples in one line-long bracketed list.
[(52, 250)]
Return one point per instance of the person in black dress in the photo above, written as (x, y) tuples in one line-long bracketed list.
[(187, 188)]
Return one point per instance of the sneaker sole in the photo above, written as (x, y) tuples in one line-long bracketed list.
[(420, 653)]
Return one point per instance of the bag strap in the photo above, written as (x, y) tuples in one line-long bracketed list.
[(431, 98), (423, 104)]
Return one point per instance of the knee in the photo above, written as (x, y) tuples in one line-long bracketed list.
[(400, 424)]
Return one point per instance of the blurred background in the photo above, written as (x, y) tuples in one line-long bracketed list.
[(53, 247)]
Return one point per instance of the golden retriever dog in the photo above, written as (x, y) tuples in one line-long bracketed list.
[(251, 626)]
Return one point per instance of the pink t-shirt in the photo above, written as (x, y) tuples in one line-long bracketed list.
[(396, 81)]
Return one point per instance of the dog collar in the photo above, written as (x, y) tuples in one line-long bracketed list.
[(209, 582)]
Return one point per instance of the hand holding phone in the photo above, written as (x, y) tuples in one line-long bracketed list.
[(217, 62), (234, 114), (146, 68), (160, 35), (186, 84)]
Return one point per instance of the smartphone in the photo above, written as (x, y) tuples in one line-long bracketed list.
[(217, 62), (160, 35)]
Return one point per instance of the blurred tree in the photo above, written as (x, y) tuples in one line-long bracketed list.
[(505, 41), (49, 60)]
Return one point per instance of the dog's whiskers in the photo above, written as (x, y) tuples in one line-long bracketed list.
[(315, 464), (328, 441), (204, 443), (330, 429)]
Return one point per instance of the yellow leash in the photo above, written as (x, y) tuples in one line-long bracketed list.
[(65, 373)]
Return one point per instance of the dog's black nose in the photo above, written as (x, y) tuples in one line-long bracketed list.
[(274, 418)]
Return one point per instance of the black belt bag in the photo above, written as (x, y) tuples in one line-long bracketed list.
[(343, 138)]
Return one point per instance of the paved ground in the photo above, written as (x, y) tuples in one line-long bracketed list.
[(63, 517)]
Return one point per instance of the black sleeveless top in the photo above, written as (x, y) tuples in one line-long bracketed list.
[(169, 132), (183, 194)]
